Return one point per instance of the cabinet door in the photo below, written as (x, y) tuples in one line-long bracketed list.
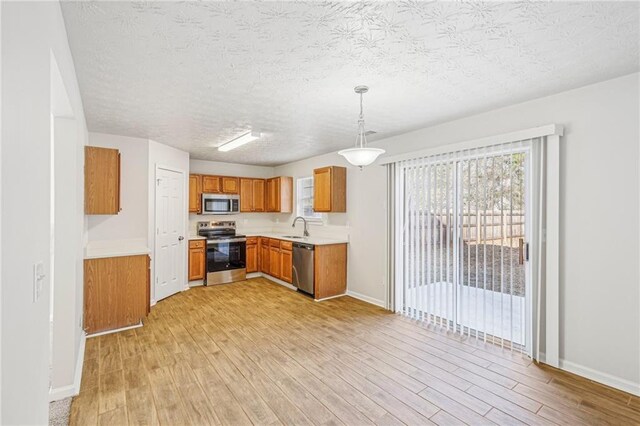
[(102, 180), (252, 258), (195, 193), (264, 257), (273, 195), (211, 184), (115, 292), (322, 189), (246, 195), (230, 185), (196, 264), (286, 265), (258, 195), (274, 262)]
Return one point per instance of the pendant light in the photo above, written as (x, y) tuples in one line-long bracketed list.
[(361, 155)]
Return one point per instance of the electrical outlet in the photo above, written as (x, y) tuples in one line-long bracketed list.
[(38, 279)]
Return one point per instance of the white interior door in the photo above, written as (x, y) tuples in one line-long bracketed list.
[(170, 229)]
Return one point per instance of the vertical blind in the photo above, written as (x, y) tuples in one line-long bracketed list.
[(461, 228)]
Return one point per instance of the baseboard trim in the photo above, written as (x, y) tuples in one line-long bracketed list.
[(597, 376), (330, 297), (117, 330), (366, 298), (600, 377), (56, 394), (270, 278)]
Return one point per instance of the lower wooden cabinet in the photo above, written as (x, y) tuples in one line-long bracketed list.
[(264, 255), (286, 265), (197, 259), (116, 292), (252, 255), (274, 260)]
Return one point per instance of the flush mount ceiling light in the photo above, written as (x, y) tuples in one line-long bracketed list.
[(361, 155), (239, 141)]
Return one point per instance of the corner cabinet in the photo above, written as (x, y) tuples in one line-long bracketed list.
[(101, 180), (195, 194), (116, 292), (330, 189), (197, 259), (280, 194)]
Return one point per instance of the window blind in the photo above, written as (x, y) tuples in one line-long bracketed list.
[(461, 230)]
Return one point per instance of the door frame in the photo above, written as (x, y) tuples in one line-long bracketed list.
[(185, 207)]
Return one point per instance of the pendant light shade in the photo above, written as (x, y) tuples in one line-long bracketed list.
[(361, 155)]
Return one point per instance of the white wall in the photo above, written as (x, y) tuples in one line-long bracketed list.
[(600, 219), (131, 222), (166, 156), (31, 32), (246, 222)]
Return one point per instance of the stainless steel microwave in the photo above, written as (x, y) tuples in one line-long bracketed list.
[(220, 204)]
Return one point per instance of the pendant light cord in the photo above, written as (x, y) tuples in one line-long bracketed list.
[(361, 138)]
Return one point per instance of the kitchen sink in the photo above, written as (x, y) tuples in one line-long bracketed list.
[(293, 236)]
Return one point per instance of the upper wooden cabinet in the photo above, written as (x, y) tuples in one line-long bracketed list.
[(230, 185), (101, 180), (330, 189), (211, 184), (195, 193), (252, 195), (256, 195), (280, 194)]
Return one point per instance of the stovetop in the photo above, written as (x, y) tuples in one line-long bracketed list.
[(215, 231)]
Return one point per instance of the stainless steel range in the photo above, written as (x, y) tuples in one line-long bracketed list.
[(226, 252)]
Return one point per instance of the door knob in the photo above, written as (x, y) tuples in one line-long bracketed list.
[(180, 238)]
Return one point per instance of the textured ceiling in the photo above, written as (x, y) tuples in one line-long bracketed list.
[(196, 74)]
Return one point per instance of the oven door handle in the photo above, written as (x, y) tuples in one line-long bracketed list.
[(233, 240)]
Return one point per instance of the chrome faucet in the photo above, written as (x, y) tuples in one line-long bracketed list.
[(293, 225)]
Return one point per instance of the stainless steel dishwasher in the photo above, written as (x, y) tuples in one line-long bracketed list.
[(303, 267)]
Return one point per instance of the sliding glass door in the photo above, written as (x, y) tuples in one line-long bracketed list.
[(461, 249)]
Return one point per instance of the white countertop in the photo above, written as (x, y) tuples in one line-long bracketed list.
[(116, 248), (316, 241), (197, 237)]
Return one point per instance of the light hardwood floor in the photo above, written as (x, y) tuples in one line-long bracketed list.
[(256, 352)]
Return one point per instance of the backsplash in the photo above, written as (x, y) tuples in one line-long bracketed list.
[(255, 223)]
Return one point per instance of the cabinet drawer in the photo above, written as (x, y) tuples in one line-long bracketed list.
[(286, 245), (264, 241), (196, 244), (274, 243), (252, 240)]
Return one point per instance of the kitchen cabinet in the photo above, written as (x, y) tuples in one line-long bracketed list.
[(252, 254), (230, 185), (197, 259), (195, 194), (330, 189), (274, 258), (286, 261), (330, 270), (280, 194), (264, 255), (116, 292), (211, 184), (101, 180), (252, 195)]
